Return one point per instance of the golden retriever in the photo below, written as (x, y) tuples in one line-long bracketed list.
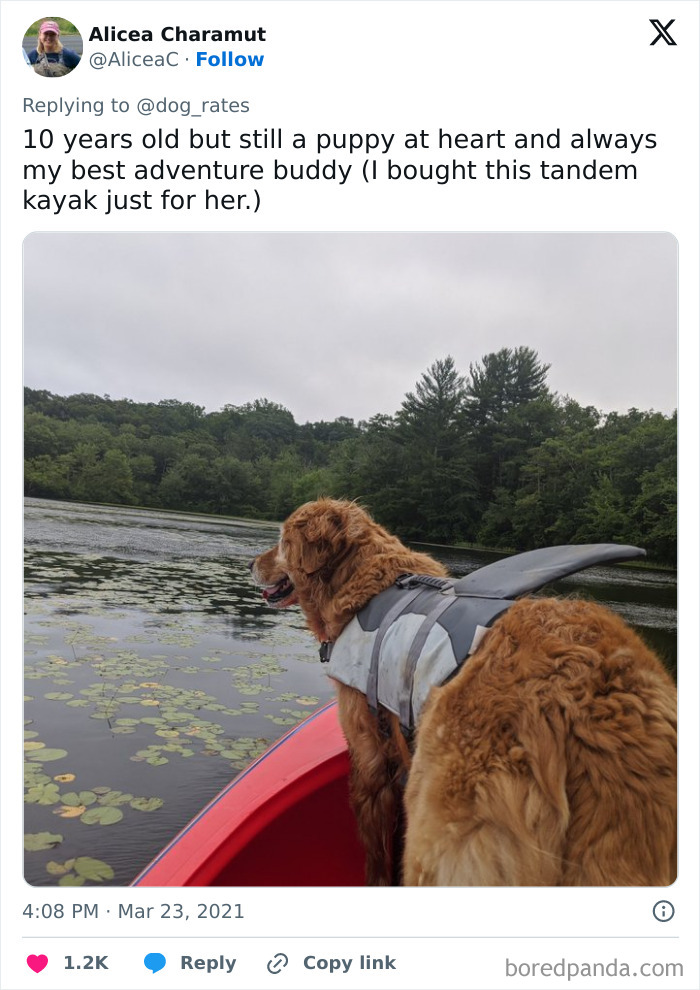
[(549, 759)]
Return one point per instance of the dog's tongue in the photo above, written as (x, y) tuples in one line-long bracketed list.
[(281, 590)]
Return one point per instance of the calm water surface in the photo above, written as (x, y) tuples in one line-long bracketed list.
[(155, 672)]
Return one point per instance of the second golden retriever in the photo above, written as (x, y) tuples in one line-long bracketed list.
[(549, 759)]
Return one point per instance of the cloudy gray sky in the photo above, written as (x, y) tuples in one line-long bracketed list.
[(344, 324)]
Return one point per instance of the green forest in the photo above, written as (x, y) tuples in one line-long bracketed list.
[(491, 457)]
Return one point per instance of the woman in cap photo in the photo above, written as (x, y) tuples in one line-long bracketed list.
[(50, 57)]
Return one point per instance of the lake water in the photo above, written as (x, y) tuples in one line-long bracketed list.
[(154, 673)]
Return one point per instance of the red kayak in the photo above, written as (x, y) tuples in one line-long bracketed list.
[(283, 822)]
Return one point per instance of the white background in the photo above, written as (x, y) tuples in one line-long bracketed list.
[(387, 67)]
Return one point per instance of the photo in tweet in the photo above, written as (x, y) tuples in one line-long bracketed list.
[(156, 668)]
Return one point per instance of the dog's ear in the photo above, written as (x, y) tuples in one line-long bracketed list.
[(317, 539), (326, 527)]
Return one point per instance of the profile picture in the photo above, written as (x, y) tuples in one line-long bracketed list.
[(52, 46)]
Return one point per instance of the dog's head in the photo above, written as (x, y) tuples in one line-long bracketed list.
[(331, 559), (319, 537), (315, 540)]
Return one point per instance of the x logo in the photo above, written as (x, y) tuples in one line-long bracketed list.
[(662, 31)]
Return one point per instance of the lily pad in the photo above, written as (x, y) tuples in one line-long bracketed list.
[(72, 799), (113, 798), (70, 811), (147, 804), (42, 794), (37, 841), (59, 869), (35, 778), (47, 755), (93, 869), (102, 816)]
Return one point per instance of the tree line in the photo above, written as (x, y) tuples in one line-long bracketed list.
[(492, 458)]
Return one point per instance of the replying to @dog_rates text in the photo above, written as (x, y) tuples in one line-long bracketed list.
[(349, 422)]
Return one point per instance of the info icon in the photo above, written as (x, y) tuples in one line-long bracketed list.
[(664, 910)]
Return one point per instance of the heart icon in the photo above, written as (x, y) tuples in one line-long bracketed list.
[(37, 963)]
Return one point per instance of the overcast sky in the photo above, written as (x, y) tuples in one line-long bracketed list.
[(344, 324)]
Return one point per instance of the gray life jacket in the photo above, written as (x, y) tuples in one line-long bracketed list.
[(417, 634)]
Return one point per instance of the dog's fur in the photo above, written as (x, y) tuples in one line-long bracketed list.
[(549, 759)]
